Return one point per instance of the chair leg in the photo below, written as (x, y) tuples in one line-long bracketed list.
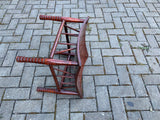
[(50, 90)]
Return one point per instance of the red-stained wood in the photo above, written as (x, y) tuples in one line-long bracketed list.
[(80, 53), (58, 18)]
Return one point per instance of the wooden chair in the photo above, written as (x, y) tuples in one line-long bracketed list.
[(80, 54)]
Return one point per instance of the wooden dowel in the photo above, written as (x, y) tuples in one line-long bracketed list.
[(58, 52), (72, 28), (70, 34)]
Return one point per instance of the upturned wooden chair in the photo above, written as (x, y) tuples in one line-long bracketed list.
[(80, 54)]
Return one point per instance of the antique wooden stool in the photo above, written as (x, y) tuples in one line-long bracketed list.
[(70, 83)]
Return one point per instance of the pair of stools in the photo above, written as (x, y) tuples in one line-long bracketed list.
[(63, 86)]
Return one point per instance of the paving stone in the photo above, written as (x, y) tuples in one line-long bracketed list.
[(27, 35), (96, 57), (152, 41), (1, 93), (151, 79), (13, 24), (44, 50), (42, 32), (11, 39), (6, 109), (18, 117), (5, 71), (116, 31), (76, 116), (42, 71), (93, 70), (109, 65), (137, 104), (27, 76), (154, 66), (147, 115), (154, 96), (138, 86), (98, 115), (100, 45), (118, 109), (138, 69), (106, 80), (83, 105), (17, 93), (62, 110), (40, 117), (19, 46), (103, 35), (134, 116), (9, 81), (3, 49), (49, 99), (10, 58), (124, 60), (121, 91), (88, 87), (114, 41), (111, 52), (126, 48), (20, 29), (139, 56), (37, 82), (103, 99), (29, 106), (123, 75)]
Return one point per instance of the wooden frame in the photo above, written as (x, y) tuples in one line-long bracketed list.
[(81, 55)]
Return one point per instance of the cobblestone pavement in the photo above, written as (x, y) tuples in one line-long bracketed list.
[(122, 74)]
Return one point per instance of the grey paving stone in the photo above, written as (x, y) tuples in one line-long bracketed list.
[(11, 39), (37, 82), (3, 49), (154, 96), (98, 116), (121, 91), (138, 69), (106, 80), (40, 116), (151, 79), (103, 99), (126, 48), (154, 66), (9, 81), (5, 71), (44, 50), (116, 31), (10, 58), (93, 70), (138, 85), (27, 106), (27, 76), (118, 109), (152, 41), (76, 116), (147, 115), (137, 104), (88, 87), (27, 35), (17, 93), (123, 75), (111, 52), (13, 24), (134, 116), (125, 38), (42, 32), (49, 102), (114, 41), (83, 105), (109, 65), (35, 43), (96, 57), (139, 56), (100, 45), (62, 110), (42, 71), (124, 60), (19, 46), (18, 117), (17, 69), (6, 109), (103, 35), (20, 29), (1, 93)]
